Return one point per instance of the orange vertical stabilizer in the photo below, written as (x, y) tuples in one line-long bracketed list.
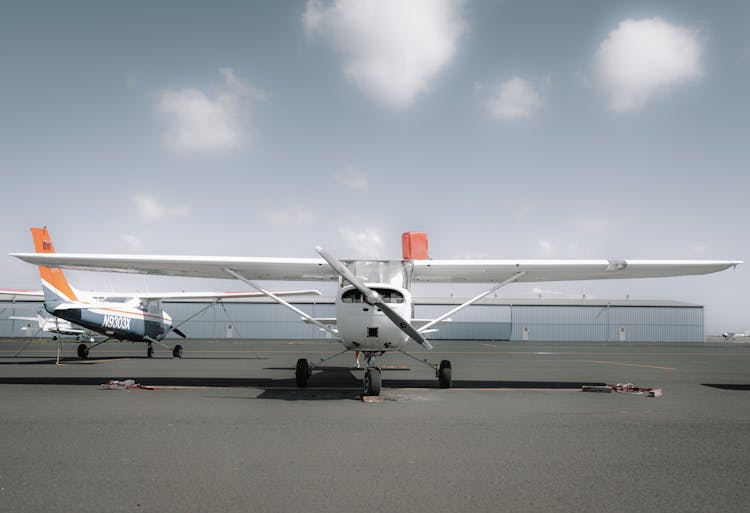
[(53, 277), (414, 246)]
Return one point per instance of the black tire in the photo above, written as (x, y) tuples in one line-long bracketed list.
[(83, 351), (303, 372), (150, 352), (371, 382), (444, 374), (177, 351)]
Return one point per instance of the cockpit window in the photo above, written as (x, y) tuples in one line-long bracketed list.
[(388, 295)]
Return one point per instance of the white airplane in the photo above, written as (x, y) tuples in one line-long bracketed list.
[(135, 317), (374, 305), (51, 325), (732, 335)]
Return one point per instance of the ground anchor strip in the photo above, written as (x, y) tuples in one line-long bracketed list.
[(625, 388)]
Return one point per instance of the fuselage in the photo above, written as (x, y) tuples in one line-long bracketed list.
[(137, 322), (364, 327)]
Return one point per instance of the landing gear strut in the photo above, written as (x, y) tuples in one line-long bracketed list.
[(373, 379), (443, 372), (371, 382), (150, 351)]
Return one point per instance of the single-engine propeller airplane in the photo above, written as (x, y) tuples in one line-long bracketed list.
[(135, 317), (51, 324), (374, 305)]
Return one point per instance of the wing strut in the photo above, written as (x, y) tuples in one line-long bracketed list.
[(276, 298), (471, 301)]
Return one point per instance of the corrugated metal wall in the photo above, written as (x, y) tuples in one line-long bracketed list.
[(476, 322), (608, 323), (599, 322)]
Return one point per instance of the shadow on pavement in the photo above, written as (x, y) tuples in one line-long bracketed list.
[(726, 386)]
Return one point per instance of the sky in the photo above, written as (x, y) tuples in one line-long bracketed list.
[(503, 129)]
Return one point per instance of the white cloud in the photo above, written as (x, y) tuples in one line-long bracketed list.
[(514, 99), (239, 88), (150, 211), (199, 123), (545, 248), (367, 243), (643, 57), (296, 215), (133, 243), (392, 49), (352, 179)]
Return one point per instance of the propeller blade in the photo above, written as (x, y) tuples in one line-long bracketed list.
[(404, 325), (370, 295), (178, 332), (373, 298)]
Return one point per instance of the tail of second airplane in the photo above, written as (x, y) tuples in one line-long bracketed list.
[(56, 287)]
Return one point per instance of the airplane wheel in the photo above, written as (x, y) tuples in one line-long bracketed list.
[(444, 374), (150, 352), (177, 351), (303, 372), (83, 351), (371, 383)]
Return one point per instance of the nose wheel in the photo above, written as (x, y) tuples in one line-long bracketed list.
[(372, 381), (150, 351)]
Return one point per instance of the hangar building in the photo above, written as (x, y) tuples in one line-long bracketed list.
[(490, 319)]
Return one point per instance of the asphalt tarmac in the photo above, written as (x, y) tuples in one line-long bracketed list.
[(225, 429)]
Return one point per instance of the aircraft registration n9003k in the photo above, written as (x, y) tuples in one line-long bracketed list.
[(374, 305)]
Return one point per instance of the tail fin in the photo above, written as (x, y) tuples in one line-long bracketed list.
[(56, 287)]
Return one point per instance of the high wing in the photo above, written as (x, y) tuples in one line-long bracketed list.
[(26, 294), (428, 271), (39, 295), (215, 295), (495, 271), (278, 269)]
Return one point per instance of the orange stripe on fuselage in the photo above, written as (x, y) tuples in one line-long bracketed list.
[(53, 276)]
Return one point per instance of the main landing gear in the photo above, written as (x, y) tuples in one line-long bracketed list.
[(444, 374), (303, 372), (83, 349), (373, 379), (176, 350)]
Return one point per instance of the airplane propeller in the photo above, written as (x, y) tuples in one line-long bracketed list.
[(374, 299)]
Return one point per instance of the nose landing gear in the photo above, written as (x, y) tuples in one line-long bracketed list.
[(371, 382)]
